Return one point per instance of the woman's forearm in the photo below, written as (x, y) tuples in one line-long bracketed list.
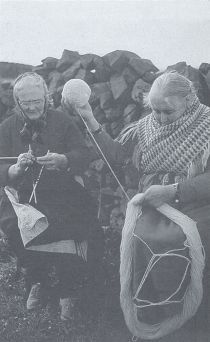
[(113, 151)]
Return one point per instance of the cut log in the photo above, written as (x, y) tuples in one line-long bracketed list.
[(130, 75), (49, 63), (119, 86), (149, 76), (139, 89), (179, 67), (71, 71), (106, 99), (87, 60), (55, 80), (68, 58), (204, 68), (141, 66), (85, 75), (42, 71), (6, 93), (116, 60), (197, 78), (100, 88), (208, 79), (12, 70), (102, 71)]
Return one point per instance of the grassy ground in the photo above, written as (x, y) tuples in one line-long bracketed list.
[(101, 323), (97, 318)]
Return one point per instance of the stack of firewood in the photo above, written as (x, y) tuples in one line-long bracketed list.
[(118, 82)]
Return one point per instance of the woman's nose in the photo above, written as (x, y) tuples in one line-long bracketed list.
[(31, 106)]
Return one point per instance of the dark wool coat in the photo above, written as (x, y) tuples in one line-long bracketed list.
[(67, 205)]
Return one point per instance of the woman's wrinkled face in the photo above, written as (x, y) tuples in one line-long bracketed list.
[(32, 102), (168, 109)]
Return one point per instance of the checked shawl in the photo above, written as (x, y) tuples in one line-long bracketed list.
[(175, 147)]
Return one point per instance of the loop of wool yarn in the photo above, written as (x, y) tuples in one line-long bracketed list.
[(194, 293)]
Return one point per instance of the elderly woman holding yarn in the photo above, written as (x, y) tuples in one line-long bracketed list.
[(164, 274), (40, 182)]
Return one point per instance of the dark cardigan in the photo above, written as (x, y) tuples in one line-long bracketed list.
[(66, 203), (60, 135)]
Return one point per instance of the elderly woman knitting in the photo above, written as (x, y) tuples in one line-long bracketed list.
[(163, 249), (41, 203)]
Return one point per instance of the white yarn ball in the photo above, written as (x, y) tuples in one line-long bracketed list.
[(76, 92)]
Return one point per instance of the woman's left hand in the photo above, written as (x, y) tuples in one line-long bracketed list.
[(156, 195), (53, 161), (137, 200)]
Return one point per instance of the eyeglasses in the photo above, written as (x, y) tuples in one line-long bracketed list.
[(28, 103)]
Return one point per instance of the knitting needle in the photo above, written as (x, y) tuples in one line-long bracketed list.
[(14, 158), (34, 187), (9, 158), (29, 151), (36, 183)]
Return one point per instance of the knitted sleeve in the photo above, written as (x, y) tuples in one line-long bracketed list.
[(113, 150), (196, 188)]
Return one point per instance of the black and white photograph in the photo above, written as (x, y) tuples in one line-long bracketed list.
[(104, 171)]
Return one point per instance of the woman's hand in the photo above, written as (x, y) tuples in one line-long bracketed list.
[(85, 111), (25, 159), (53, 161), (137, 200), (156, 195), (23, 162)]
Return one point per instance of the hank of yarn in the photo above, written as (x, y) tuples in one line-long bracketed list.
[(76, 92)]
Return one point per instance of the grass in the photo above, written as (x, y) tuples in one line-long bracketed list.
[(99, 320)]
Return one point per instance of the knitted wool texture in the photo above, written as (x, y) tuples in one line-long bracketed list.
[(175, 147)]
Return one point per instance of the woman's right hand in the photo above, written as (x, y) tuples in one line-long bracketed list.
[(137, 200), (23, 162), (86, 112)]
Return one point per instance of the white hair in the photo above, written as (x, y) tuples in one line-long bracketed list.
[(170, 84)]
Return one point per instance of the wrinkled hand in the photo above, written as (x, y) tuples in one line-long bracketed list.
[(53, 161), (85, 111), (23, 162), (156, 195)]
